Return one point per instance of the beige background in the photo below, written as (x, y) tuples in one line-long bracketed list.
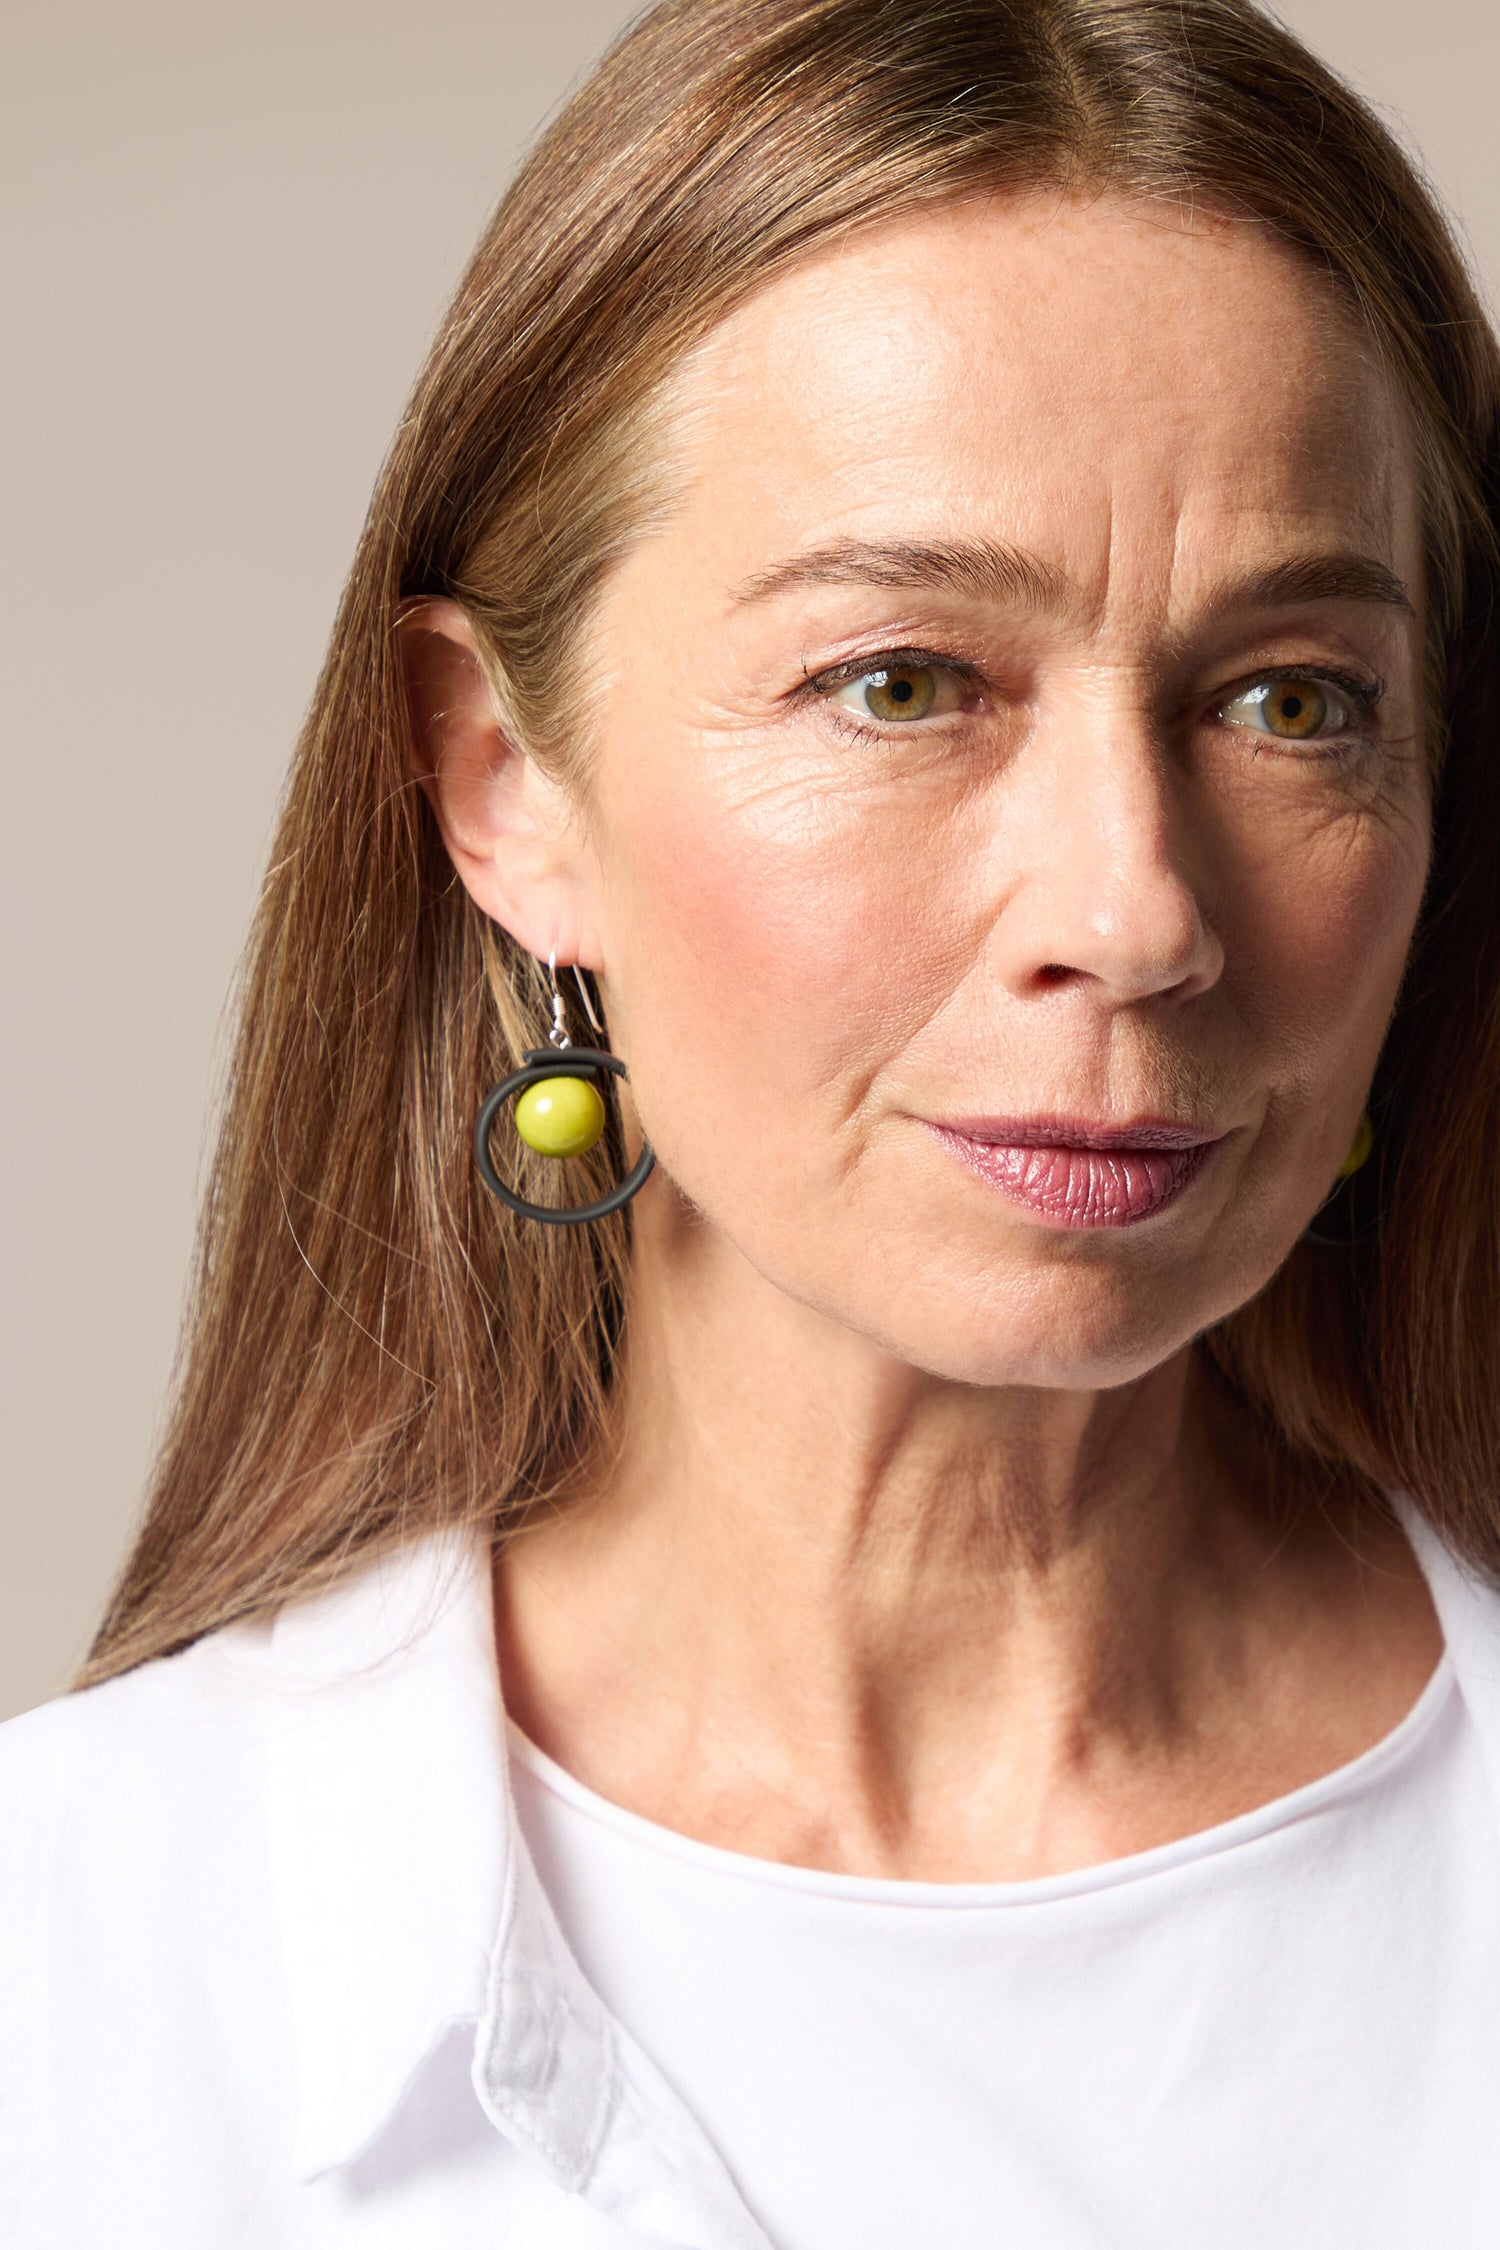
[(230, 229)]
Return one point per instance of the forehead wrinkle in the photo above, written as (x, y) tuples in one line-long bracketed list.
[(993, 569)]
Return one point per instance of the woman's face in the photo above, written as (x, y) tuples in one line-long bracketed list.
[(1013, 739)]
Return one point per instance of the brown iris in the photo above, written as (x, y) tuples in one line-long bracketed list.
[(903, 691), (1294, 708)]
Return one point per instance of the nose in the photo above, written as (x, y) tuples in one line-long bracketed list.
[(1103, 867)]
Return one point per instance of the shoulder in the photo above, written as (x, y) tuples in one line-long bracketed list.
[(96, 1778), (131, 1810), (1468, 1608), (1468, 1605), (168, 1770), (140, 2000), (210, 1869), (151, 1815)]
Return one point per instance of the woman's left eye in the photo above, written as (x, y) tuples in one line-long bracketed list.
[(896, 693), (1292, 706)]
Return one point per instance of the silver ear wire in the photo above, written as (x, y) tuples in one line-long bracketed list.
[(588, 1005), (558, 1035)]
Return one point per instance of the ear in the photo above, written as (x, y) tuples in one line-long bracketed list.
[(513, 834)]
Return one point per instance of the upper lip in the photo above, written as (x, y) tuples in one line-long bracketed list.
[(1079, 1132)]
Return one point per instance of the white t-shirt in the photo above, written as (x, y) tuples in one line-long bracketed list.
[(1216, 2044)]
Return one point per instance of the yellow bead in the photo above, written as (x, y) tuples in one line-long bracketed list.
[(560, 1116), (1359, 1149)]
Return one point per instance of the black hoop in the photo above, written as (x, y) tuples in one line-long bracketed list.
[(1365, 1231), (555, 1062), (1359, 1210)]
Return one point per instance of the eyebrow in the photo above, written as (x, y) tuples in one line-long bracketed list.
[(997, 571), (990, 568), (1320, 578)]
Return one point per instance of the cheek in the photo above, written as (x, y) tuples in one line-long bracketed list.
[(776, 950), (1315, 960)]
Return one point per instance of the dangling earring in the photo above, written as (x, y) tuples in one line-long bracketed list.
[(1356, 1157), (560, 1113), (1359, 1148)]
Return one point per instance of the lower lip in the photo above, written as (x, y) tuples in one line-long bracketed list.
[(1083, 1187)]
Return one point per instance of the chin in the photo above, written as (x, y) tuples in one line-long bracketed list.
[(1089, 1324), (1042, 1356)]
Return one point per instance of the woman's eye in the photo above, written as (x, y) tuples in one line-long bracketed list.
[(1292, 707), (898, 692)]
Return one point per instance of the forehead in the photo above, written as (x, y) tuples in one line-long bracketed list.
[(1087, 378)]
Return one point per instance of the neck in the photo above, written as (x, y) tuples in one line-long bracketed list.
[(824, 1607)]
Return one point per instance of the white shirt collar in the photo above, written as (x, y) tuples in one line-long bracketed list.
[(408, 1904)]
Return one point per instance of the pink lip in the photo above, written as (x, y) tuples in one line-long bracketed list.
[(1073, 1173)]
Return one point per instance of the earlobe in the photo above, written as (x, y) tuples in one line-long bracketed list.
[(509, 829)]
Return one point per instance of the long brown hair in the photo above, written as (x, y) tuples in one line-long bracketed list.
[(375, 1348)]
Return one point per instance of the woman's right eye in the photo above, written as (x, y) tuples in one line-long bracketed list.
[(895, 694)]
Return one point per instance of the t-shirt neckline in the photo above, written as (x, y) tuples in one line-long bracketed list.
[(1371, 1765)]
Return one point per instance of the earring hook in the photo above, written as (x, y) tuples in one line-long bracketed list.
[(588, 1005), (558, 1035)]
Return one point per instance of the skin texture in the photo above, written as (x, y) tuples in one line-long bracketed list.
[(928, 1551)]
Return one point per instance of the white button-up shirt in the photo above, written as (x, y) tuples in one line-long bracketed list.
[(276, 1969), (265, 1919)]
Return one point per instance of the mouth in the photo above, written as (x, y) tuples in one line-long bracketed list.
[(1072, 1172)]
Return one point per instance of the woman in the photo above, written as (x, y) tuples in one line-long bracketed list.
[(938, 582)]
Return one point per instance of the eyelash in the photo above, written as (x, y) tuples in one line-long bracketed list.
[(1364, 693), (820, 686)]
